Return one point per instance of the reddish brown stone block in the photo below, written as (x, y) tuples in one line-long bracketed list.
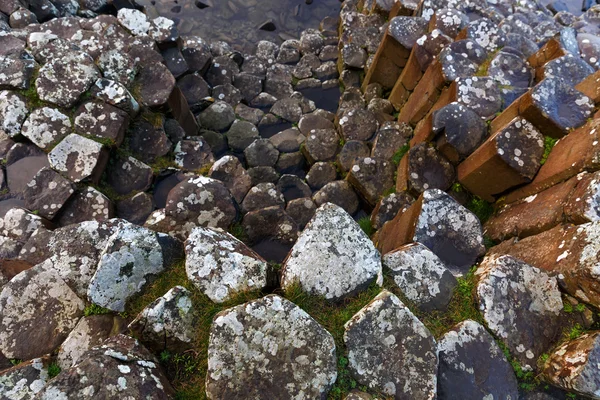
[(590, 86), (424, 96), (409, 78), (551, 50)]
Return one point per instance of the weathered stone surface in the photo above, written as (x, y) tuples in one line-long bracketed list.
[(486, 33), (86, 205), (572, 365), (372, 177), (16, 72), (321, 145), (472, 364), (389, 206), (200, 201), (271, 232), (254, 370), (24, 380), (288, 141), (352, 152), (504, 285), (168, 323), (320, 174), (46, 126), (509, 69), (232, 174), (13, 111), (136, 209), (221, 266), (293, 187), (389, 140), (38, 311), (128, 174), (193, 155), (261, 153), (421, 276), (572, 69), (461, 59), (102, 121), (480, 94), (79, 158), (156, 83), (261, 196), (116, 94), (460, 131), (301, 210), (89, 332), (425, 169), (132, 256), (437, 221), (391, 351), (314, 261), (358, 124), (339, 193), (134, 21), (148, 141), (47, 193), (118, 66), (119, 367), (64, 79)]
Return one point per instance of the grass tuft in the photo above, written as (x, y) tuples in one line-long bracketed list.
[(366, 226), (53, 370), (481, 208), (548, 145), (94, 309), (397, 157)]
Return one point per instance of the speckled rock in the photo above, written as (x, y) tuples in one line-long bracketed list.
[(570, 68), (193, 155), (200, 201), (79, 158), (221, 266), (460, 131), (339, 193), (391, 351), (321, 145), (241, 134), (389, 140), (156, 83), (421, 276), (120, 367), (134, 21), (486, 33), (148, 141), (19, 224), (116, 94), (131, 257), (24, 380), (47, 193), (16, 71), (46, 126), (261, 196), (504, 284), (320, 174), (102, 121), (168, 323), (358, 124), (472, 364), (13, 112), (86, 205), (389, 206), (38, 311), (461, 59), (427, 169), (371, 177), (231, 173), (481, 94), (301, 210), (573, 365), (89, 332), (509, 69), (64, 79), (127, 174), (315, 262), (296, 356), (118, 66)]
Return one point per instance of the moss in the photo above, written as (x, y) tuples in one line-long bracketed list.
[(366, 226), (389, 191), (342, 142), (481, 208), (162, 163), (94, 309), (239, 232), (399, 154), (15, 361), (156, 119), (53, 370), (548, 145), (204, 170)]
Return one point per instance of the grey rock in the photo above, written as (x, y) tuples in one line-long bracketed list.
[(127, 175), (218, 117), (320, 174), (46, 126), (261, 196), (85, 205), (193, 155), (13, 112), (79, 158), (47, 193), (102, 121), (261, 153), (232, 174), (24, 380), (339, 193)]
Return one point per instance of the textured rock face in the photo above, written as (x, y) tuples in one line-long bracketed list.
[(13, 112), (473, 365), (46, 126), (295, 357), (120, 368), (574, 365), (421, 275), (132, 255), (220, 265), (391, 351), (47, 193), (372, 177), (38, 311), (79, 158), (504, 285), (168, 323), (25, 380), (332, 257)]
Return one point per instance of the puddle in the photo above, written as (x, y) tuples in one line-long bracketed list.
[(238, 21)]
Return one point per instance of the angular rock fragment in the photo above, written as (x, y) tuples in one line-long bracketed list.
[(372, 177), (460, 131), (102, 121), (134, 21), (79, 158), (155, 83), (232, 174), (339, 193), (46, 126), (480, 94), (358, 124), (472, 363), (262, 371), (16, 72), (116, 94), (47, 193), (38, 311), (389, 206), (168, 323), (504, 285), (271, 232), (118, 66), (222, 266), (24, 380), (193, 155), (421, 276), (423, 168), (314, 261), (391, 351), (127, 174), (13, 112)]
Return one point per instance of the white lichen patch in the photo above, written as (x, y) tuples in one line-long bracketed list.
[(76, 156), (46, 126), (221, 266), (332, 257), (13, 112), (134, 21)]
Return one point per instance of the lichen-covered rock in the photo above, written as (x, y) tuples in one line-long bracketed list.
[(332, 257), (116, 94), (46, 126), (339, 193), (295, 356), (372, 177), (121, 367), (391, 351), (201, 201), (358, 124), (168, 323), (24, 380), (221, 266), (128, 174), (427, 169), (38, 310), (64, 79), (574, 365), (231, 173), (13, 111), (486, 33), (89, 332), (19, 224), (460, 131), (193, 155), (509, 69), (118, 66), (79, 158), (572, 69), (47, 193), (131, 257), (219, 117), (389, 206), (480, 94), (16, 71), (261, 196), (472, 364), (421, 276), (155, 83), (101, 120), (504, 285), (134, 21)]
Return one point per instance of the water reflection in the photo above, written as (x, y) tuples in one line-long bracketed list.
[(238, 21)]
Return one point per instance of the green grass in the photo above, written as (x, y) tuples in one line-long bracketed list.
[(15, 361), (575, 331), (397, 157), (548, 145), (366, 226), (237, 230), (94, 309), (481, 208), (53, 370)]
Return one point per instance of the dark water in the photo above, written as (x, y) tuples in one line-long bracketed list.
[(237, 21)]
